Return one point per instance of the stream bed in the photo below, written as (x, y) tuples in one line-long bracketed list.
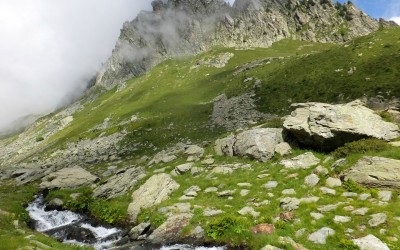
[(72, 228)]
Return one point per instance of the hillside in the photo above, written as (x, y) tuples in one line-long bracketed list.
[(173, 110)]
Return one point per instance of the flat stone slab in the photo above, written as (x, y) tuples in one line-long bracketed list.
[(68, 178), (303, 161)]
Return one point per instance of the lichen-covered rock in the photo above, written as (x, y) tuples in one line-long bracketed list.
[(170, 230), (370, 242), (259, 143), (303, 161), (376, 172), (329, 126), (68, 178), (120, 183), (157, 189)]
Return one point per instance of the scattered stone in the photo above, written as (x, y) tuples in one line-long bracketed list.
[(249, 211), (162, 157), (316, 216), (244, 185), (157, 189), (328, 208), (194, 153), (333, 182), (377, 219), (270, 247), (139, 230), (209, 212), (320, 236), (339, 163), (196, 171), (208, 161), (349, 194), (370, 242), (361, 211), (311, 199), (289, 192), (178, 208), (364, 197), (68, 178), (270, 185), (375, 172), (263, 229), (341, 219), (226, 193), (262, 176), (244, 192), (211, 190), (311, 180), (283, 149), (329, 126), (303, 161), (55, 204), (183, 168), (222, 170), (289, 204), (385, 195), (348, 208), (300, 232), (123, 181), (320, 170), (291, 242), (326, 190)]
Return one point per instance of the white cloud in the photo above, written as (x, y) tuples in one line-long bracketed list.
[(396, 19), (49, 49)]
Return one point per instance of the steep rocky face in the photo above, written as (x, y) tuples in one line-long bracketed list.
[(185, 27)]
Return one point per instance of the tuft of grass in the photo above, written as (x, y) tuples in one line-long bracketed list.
[(362, 146)]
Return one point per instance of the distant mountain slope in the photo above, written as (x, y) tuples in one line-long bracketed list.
[(181, 28)]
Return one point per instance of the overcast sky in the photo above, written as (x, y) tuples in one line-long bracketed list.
[(50, 48)]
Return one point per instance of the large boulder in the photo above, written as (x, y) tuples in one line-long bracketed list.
[(157, 189), (329, 126), (68, 178), (259, 143), (377, 172), (120, 183), (170, 231)]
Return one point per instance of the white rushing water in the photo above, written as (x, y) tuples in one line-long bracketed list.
[(52, 220)]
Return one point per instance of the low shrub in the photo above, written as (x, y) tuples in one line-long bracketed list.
[(361, 146), (223, 225)]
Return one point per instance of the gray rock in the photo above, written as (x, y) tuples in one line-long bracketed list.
[(56, 203), (270, 185), (364, 197), (385, 195), (249, 211), (226, 193), (157, 189), (320, 236), (119, 184), (196, 171), (375, 172), (377, 219), (209, 212), (270, 247), (311, 199), (349, 194), (256, 144), (316, 216), (194, 153), (222, 170), (326, 190), (341, 219), (360, 211), (303, 161), (170, 230), (68, 178), (289, 191), (289, 204), (211, 190), (329, 126), (320, 170), (311, 180), (333, 182), (283, 149), (183, 168), (244, 192), (139, 230), (370, 242), (328, 208)]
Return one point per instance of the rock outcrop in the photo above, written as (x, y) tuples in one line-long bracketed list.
[(327, 126), (68, 178), (157, 189), (120, 183), (179, 28), (375, 172), (259, 143)]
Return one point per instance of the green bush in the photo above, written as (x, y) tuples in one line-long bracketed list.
[(81, 203), (353, 186), (39, 138), (101, 210), (346, 244), (222, 226), (361, 146)]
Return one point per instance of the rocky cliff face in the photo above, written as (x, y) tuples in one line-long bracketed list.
[(185, 27)]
